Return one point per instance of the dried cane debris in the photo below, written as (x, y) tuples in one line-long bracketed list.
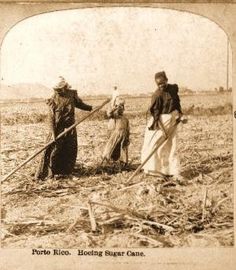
[(149, 212)]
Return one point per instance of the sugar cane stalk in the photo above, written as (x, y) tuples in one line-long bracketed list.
[(204, 204), (53, 141)]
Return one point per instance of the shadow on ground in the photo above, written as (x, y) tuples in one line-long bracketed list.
[(110, 169)]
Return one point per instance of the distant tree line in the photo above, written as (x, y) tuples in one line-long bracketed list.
[(187, 91), (222, 89)]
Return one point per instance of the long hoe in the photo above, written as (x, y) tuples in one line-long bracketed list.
[(53, 141), (160, 142)]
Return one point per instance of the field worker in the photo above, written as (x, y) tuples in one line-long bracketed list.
[(116, 148), (165, 110), (58, 160)]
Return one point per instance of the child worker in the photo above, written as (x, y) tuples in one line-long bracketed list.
[(116, 148)]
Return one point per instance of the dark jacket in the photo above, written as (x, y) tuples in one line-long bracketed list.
[(164, 102), (62, 110)]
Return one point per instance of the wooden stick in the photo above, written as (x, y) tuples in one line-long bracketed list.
[(156, 173), (163, 128), (131, 186), (113, 219), (219, 203), (146, 238), (71, 227), (139, 183), (204, 204), (116, 209), (51, 142), (92, 218), (134, 216), (154, 223)]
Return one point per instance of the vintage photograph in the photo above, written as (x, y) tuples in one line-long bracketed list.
[(116, 131)]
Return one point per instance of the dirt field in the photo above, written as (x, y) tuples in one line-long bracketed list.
[(54, 214)]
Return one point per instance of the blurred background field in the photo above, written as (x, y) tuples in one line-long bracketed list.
[(15, 112)]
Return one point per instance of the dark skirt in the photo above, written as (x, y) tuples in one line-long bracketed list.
[(59, 158)]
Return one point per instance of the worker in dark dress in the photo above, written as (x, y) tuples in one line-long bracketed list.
[(59, 159), (165, 110)]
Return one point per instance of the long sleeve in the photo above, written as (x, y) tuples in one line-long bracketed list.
[(51, 116), (80, 104), (156, 109), (156, 106), (110, 112), (177, 105), (128, 133)]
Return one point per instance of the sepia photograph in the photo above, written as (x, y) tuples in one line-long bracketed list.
[(116, 132)]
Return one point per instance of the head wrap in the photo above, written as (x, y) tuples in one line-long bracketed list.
[(61, 84)]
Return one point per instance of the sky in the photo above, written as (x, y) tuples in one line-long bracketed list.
[(95, 49)]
